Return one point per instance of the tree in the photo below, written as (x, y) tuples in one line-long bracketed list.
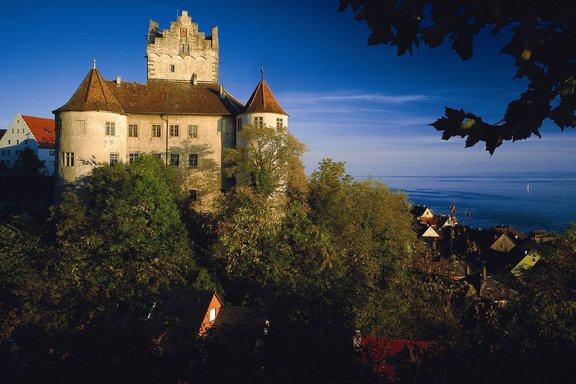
[(28, 164), (120, 235), (268, 157), (541, 43)]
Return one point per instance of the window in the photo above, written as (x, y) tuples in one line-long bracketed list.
[(158, 155), (184, 48), (183, 33), (156, 131), (79, 127), (174, 130), (279, 123), (114, 158), (175, 159), (259, 121), (193, 131), (172, 68), (192, 159), (17, 141), (239, 124), (193, 194), (51, 153), (132, 157), (132, 130), (224, 126), (212, 315), (110, 128), (68, 159)]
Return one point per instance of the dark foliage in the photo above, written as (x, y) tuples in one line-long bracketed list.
[(541, 43)]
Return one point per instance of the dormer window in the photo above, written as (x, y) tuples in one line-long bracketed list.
[(184, 48)]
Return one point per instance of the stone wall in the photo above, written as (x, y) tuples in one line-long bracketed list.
[(180, 52)]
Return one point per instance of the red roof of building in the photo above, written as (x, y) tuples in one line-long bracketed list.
[(263, 101), (154, 97), (381, 354), (44, 130), (92, 95)]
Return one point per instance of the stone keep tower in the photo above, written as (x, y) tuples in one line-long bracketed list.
[(182, 53)]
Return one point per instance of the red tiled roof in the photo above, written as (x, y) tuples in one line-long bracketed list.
[(92, 95), (155, 97), (263, 100), (379, 352), (44, 130), (173, 97)]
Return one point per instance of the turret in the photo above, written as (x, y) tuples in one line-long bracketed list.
[(90, 129), (262, 108)]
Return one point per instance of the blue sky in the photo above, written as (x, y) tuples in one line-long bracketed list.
[(361, 105)]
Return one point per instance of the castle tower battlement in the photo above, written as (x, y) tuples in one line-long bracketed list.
[(182, 53)]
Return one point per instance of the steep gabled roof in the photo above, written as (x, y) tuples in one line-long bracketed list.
[(93, 94), (263, 100), (173, 97), (44, 130)]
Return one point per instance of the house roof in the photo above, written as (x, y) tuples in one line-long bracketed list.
[(44, 130), (92, 95), (263, 101), (155, 97), (173, 97), (512, 232), (240, 317), (189, 305)]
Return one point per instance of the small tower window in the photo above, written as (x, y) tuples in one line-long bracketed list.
[(183, 32), (279, 123), (172, 68), (259, 121)]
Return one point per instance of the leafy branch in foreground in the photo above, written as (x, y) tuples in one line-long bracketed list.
[(541, 43)]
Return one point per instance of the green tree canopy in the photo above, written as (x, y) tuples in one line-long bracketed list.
[(266, 158), (120, 235), (542, 35)]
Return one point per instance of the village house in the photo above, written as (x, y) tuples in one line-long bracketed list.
[(35, 133)]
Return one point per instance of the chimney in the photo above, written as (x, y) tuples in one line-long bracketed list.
[(118, 80)]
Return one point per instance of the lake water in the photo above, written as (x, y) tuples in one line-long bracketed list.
[(527, 201)]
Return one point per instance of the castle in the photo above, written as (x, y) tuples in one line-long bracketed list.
[(181, 115)]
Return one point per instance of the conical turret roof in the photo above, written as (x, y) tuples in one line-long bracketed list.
[(263, 100), (92, 95)]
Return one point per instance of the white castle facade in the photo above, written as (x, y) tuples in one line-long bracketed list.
[(182, 114)]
